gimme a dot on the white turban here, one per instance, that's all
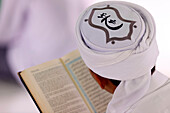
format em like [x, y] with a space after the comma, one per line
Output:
[117, 41]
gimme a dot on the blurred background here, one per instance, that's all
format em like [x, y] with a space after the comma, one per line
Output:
[36, 31]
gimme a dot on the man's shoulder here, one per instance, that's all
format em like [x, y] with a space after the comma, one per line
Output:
[157, 101]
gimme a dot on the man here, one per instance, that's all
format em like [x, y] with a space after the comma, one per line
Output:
[117, 42]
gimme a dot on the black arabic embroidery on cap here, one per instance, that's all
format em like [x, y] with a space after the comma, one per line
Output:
[103, 16]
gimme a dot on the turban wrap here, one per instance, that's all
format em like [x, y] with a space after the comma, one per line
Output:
[117, 41]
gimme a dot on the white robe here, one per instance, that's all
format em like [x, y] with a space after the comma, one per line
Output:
[155, 102]
[157, 99]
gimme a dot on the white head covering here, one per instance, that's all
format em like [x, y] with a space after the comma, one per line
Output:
[117, 41]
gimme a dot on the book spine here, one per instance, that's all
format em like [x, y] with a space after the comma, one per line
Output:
[19, 73]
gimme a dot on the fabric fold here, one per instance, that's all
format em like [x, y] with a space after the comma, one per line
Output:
[128, 92]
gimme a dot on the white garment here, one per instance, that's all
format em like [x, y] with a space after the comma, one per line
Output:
[156, 100]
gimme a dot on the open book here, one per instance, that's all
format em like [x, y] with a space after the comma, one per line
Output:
[65, 86]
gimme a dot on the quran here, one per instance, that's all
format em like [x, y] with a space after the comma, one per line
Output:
[64, 85]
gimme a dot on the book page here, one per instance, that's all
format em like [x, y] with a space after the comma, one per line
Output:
[97, 98]
[53, 89]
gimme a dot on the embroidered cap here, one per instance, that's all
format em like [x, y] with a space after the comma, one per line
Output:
[108, 27]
